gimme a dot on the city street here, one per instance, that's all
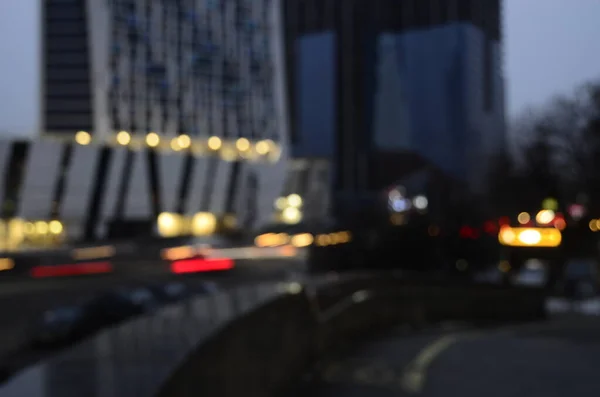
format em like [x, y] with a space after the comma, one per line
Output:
[24, 301]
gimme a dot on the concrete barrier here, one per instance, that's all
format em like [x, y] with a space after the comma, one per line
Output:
[255, 355]
[260, 353]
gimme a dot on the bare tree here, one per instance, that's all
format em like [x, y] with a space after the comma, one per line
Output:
[586, 157]
[520, 181]
[558, 149]
[575, 122]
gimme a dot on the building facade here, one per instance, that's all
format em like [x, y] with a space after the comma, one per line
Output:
[199, 67]
[395, 76]
[150, 107]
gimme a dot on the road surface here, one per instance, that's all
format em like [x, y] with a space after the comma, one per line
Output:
[22, 302]
[558, 358]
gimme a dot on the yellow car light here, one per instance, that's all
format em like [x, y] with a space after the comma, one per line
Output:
[529, 237]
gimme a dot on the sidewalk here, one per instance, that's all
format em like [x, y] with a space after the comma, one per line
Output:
[555, 358]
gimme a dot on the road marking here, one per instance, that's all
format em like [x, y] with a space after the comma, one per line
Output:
[415, 375]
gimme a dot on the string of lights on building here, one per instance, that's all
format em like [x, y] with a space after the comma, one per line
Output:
[228, 150]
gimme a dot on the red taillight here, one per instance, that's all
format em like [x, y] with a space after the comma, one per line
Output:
[490, 227]
[504, 221]
[468, 232]
[74, 269]
[560, 224]
[465, 232]
[198, 265]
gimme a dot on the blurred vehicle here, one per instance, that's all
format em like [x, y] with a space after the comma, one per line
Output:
[170, 292]
[65, 325]
[328, 244]
[580, 279]
[490, 276]
[56, 326]
[537, 236]
[533, 274]
[412, 230]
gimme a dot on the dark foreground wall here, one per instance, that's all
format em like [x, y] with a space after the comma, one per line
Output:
[261, 353]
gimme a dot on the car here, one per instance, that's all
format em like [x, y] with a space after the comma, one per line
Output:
[169, 292]
[56, 326]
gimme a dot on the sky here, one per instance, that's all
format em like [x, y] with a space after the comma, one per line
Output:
[551, 46]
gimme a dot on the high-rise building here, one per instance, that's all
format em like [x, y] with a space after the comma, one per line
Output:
[147, 107]
[200, 67]
[373, 79]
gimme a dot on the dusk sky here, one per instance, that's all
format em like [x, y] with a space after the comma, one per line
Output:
[551, 47]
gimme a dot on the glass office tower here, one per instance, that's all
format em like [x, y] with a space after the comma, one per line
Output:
[415, 78]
